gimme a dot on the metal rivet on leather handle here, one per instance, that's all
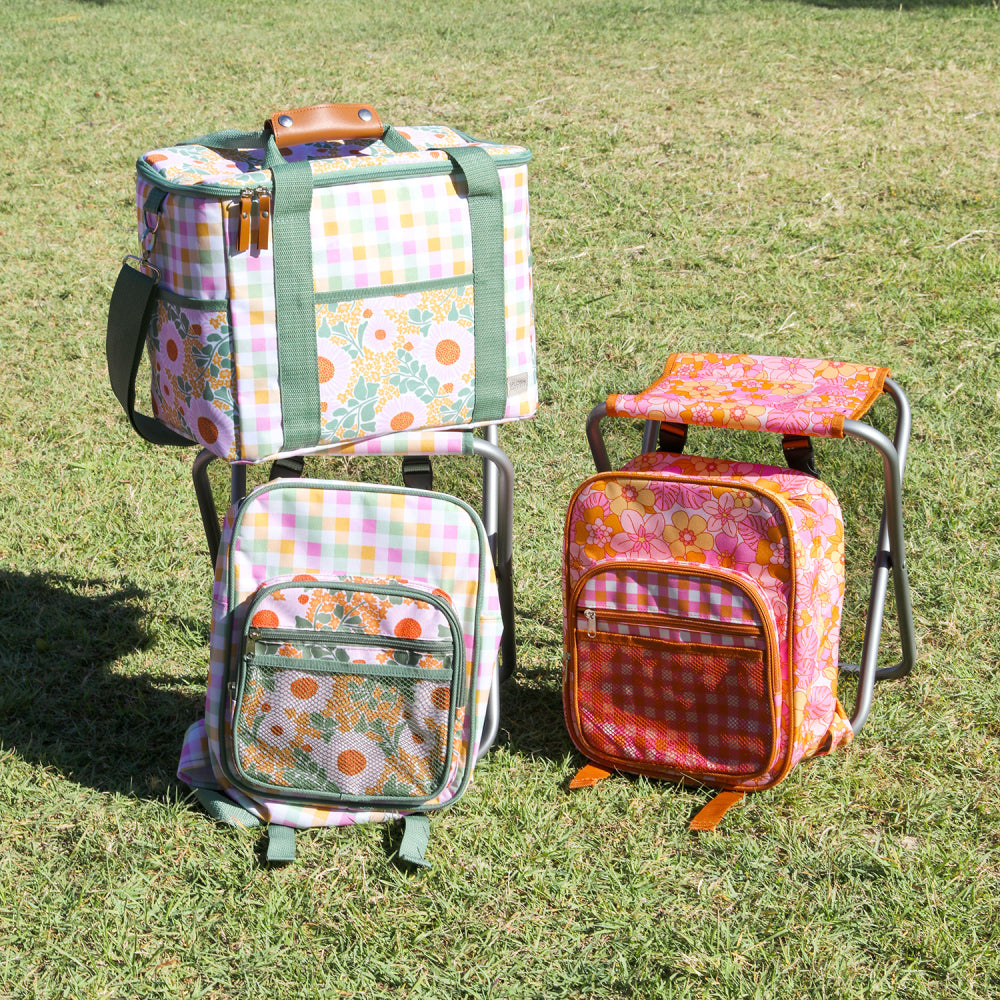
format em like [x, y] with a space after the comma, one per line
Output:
[284, 120]
[365, 115]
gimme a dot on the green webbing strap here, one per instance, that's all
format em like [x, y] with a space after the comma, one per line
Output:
[224, 809]
[280, 844]
[229, 139]
[416, 833]
[486, 217]
[129, 313]
[295, 309]
[396, 142]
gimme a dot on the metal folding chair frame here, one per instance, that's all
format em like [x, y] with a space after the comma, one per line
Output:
[890, 558]
[498, 520]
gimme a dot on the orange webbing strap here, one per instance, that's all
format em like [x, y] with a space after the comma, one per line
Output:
[710, 815]
[588, 776]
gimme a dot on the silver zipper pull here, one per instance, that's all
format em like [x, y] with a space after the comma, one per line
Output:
[591, 617]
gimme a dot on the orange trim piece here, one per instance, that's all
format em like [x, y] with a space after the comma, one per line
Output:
[588, 776]
[710, 815]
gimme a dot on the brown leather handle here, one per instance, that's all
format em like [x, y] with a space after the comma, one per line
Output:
[324, 122]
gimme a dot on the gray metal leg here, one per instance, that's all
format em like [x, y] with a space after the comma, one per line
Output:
[498, 510]
[890, 557]
[596, 439]
[650, 436]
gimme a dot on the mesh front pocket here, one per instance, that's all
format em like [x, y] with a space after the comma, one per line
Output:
[684, 707]
[348, 692]
[352, 729]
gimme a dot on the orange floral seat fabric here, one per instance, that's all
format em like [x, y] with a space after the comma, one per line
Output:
[754, 392]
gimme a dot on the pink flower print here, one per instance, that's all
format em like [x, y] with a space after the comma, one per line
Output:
[593, 532]
[640, 535]
[595, 498]
[598, 533]
[699, 466]
[708, 390]
[724, 515]
[821, 704]
[795, 368]
[687, 536]
[834, 370]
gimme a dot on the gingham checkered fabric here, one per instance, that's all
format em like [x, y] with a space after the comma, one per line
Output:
[392, 265]
[694, 709]
[629, 589]
[288, 529]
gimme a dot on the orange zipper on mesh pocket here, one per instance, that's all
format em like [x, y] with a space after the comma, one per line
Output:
[668, 694]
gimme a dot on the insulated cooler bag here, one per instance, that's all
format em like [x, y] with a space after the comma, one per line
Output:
[703, 617]
[355, 632]
[323, 280]
[703, 597]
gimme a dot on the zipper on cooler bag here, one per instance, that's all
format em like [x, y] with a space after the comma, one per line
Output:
[344, 715]
[253, 202]
[670, 694]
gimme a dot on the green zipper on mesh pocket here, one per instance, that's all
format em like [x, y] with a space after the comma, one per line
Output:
[342, 715]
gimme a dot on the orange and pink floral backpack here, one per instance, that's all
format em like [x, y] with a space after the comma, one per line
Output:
[703, 597]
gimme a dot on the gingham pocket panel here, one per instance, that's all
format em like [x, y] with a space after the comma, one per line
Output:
[188, 247]
[319, 529]
[708, 598]
[390, 233]
[693, 709]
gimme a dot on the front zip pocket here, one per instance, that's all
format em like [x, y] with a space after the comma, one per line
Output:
[671, 672]
[347, 691]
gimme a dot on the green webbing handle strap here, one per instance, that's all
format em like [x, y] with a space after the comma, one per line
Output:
[231, 139]
[486, 218]
[224, 809]
[129, 313]
[295, 309]
[280, 839]
[416, 833]
[280, 844]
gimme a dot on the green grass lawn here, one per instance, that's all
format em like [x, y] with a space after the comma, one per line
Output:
[779, 176]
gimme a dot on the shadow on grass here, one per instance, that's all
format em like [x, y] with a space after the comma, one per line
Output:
[531, 720]
[61, 703]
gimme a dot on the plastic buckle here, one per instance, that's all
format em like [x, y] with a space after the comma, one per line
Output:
[418, 473]
[799, 454]
[287, 468]
[672, 438]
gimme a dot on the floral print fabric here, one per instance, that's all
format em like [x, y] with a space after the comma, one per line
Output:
[779, 531]
[347, 691]
[752, 392]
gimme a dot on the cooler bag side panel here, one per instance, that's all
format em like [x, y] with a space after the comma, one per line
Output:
[190, 341]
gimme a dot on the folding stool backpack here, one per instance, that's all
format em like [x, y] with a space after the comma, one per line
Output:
[703, 597]
[354, 647]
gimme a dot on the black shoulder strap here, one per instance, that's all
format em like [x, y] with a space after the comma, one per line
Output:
[132, 304]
